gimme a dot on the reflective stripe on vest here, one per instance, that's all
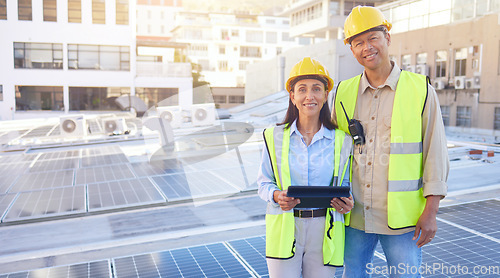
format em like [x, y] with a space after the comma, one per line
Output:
[280, 225]
[405, 200]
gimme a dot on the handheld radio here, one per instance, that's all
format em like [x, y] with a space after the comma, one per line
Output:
[355, 128]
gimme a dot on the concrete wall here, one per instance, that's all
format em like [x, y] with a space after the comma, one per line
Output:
[265, 78]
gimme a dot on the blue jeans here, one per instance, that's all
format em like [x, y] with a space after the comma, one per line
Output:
[402, 254]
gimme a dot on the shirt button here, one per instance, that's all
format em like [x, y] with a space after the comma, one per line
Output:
[373, 118]
[367, 186]
[371, 140]
[376, 96]
[367, 207]
[369, 163]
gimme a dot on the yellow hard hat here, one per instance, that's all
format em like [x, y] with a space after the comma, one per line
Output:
[363, 18]
[306, 67]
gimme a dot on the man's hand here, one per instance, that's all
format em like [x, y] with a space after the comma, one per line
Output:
[426, 225]
[286, 203]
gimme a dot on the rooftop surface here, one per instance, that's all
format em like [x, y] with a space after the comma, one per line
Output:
[126, 205]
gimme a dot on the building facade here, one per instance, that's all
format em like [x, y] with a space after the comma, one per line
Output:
[224, 44]
[60, 56]
[456, 44]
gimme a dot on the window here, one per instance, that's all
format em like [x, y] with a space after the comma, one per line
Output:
[39, 98]
[271, 37]
[236, 99]
[441, 58]
[496, 124]
[285, 36]
[163, 29]
[463, 116]
[50, 10]
[235, 33]
[421, 58]
[1, 92]
[220, 99]
[197, 50]
[254, 36]
[95, 98]
[250, 51]
[152, 96]
[445, 112]
[98, 57]
[278, 50]
[24, 10]
[122, 12]
[460, 61]
[98, 12]
[75, 11]
[462, 9]
[3, 9]
[37, 55]
[243, 65]
[223, 66]
[222, 49]
[405, 61]
[224, 34]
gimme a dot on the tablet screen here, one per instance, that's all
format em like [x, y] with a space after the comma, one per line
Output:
[317, 196]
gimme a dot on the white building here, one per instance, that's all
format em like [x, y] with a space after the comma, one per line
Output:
[73, 55]
[225, 44]
[156, 19]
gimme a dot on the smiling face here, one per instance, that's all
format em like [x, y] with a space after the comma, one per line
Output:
[371, 49]
[308, 96]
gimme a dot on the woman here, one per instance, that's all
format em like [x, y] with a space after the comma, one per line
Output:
[306, 149]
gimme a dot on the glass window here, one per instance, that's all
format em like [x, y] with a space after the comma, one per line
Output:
[50, 10]
[1, 92]
[441, 59]
[39, 98]
[254, 36]
[37, 55]
[495, 5]
[445, 112]
[250, 51]
[153, 96]
[271, 37]
[24, 10]
[224, 34]
[75, 11]
[243, 65]
[98, 12]
[462, 9]
[222, 49]
[3, 9]
[463, 116]
[98, 57]
[421, 58]
[220, 99]
[236, 99]
[334, 7]
[95, 98]
[497, 119]
[223, 66]
[122, 12]
[460, 61]
[405, 60]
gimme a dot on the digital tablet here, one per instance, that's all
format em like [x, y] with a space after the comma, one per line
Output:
[317, 196]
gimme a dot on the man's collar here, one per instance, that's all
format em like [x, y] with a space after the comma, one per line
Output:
[391, 81]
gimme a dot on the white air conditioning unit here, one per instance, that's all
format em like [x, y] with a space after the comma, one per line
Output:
[172, 114]
[203, 114]
[476, 82]
[422, 69]
[459, 82]
[410, 68]
[439, 84]
[469, 82]
[73, 125]
[114, 125]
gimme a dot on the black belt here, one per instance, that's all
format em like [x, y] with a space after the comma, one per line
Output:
[309, 213]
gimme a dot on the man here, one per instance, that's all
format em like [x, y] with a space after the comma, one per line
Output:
[400, 172]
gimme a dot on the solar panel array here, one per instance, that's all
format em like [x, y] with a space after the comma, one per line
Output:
[459, 242]
[68, 181]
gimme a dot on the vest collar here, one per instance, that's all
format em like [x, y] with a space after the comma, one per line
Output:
[391, 81]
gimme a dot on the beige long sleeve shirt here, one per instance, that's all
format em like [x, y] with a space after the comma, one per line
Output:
[371, 166]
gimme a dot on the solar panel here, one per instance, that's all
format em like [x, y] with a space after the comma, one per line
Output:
[157, 167]
[41, 131]
[14, 158]
[103, 173]
[90, 270]
[253, 252]
[53, 165]
[42, 180]
[5, 201]
[59, 155]
[101, 151]
[480, 216]
[214, 260]
[47, 203]
[125, 193]
[90, 161]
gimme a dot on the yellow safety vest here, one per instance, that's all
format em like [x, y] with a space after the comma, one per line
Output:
[405, 200]
[280, 225]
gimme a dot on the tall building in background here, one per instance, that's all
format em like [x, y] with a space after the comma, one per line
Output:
[456, 44]
[72, 55]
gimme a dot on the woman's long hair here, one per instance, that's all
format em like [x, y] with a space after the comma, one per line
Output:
[292, 114]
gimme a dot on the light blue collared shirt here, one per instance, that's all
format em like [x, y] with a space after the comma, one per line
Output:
[309, 165]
